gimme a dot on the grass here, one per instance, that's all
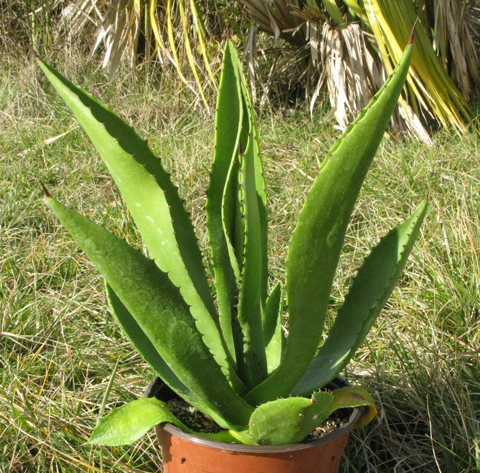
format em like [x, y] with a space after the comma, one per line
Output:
[59, 346]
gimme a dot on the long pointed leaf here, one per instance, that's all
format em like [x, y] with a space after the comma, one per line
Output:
[371, 288]
[162, 314]
[250, 304]
[146, 348]
[155, 205]
[317, 241]
[220, 206]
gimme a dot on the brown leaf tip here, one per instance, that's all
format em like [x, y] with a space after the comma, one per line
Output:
[45, 190]
[34, 52]
[412, 36]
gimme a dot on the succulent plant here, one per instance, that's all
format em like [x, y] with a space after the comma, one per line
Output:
[228, 356]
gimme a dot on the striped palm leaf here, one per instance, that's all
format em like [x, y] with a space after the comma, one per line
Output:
[354, 47]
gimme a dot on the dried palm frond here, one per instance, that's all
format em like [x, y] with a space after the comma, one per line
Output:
[346, 58]
[432, 91]
[352, 75]
[76, 15]
[167, 27]
[278, 18]
[345, 65]
[453, 39]
[119, 32]
[340, 60]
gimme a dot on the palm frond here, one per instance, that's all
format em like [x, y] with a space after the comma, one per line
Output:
[352, 75]
[453, 39]
[430, 86]
[123, 22]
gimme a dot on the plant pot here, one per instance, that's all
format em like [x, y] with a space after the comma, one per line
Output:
[186, 453]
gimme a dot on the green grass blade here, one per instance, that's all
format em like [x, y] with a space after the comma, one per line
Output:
[371, 288]
[317, 241]
[107, 391]
[162, 314]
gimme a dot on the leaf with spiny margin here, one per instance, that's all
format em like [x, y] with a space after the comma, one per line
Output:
[355, 397]
[273, 334]
[317, 240]
[369, 292]
[155, 205]
[128, 423]
[250, 304]
[221, 200]
[161, 312]
[146, 348]
[289, 420]
[260, 189]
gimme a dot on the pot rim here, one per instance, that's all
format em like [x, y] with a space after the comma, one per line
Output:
[242, 448]
[338, 382]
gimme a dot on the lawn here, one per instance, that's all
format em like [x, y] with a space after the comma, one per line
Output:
[62, 358]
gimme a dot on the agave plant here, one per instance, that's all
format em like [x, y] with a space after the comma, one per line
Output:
[228, 356]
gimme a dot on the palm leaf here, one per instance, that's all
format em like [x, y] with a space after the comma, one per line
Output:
[430, 86]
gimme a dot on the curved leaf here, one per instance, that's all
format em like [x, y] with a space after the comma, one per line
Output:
[355, 397]
[155, 205]
[318, 238]
[371, 288]
[128, 423]
[161, 312]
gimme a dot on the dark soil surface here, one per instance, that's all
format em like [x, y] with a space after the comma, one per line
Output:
[199, 422]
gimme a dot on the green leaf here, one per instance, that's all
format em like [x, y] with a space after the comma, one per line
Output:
[334, 12]
[221, 199]
[250, 302]
[236, 221]
[273, 334]
[228, 436]
[355, 9]
[155, 205]
[128, 423]
[289, 420]
[371, 288]
[355, 397]
[163, 315]
[260, 187]
[317, 241]
[145, 347]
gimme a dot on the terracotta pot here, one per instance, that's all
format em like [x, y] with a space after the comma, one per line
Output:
[185, 453]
